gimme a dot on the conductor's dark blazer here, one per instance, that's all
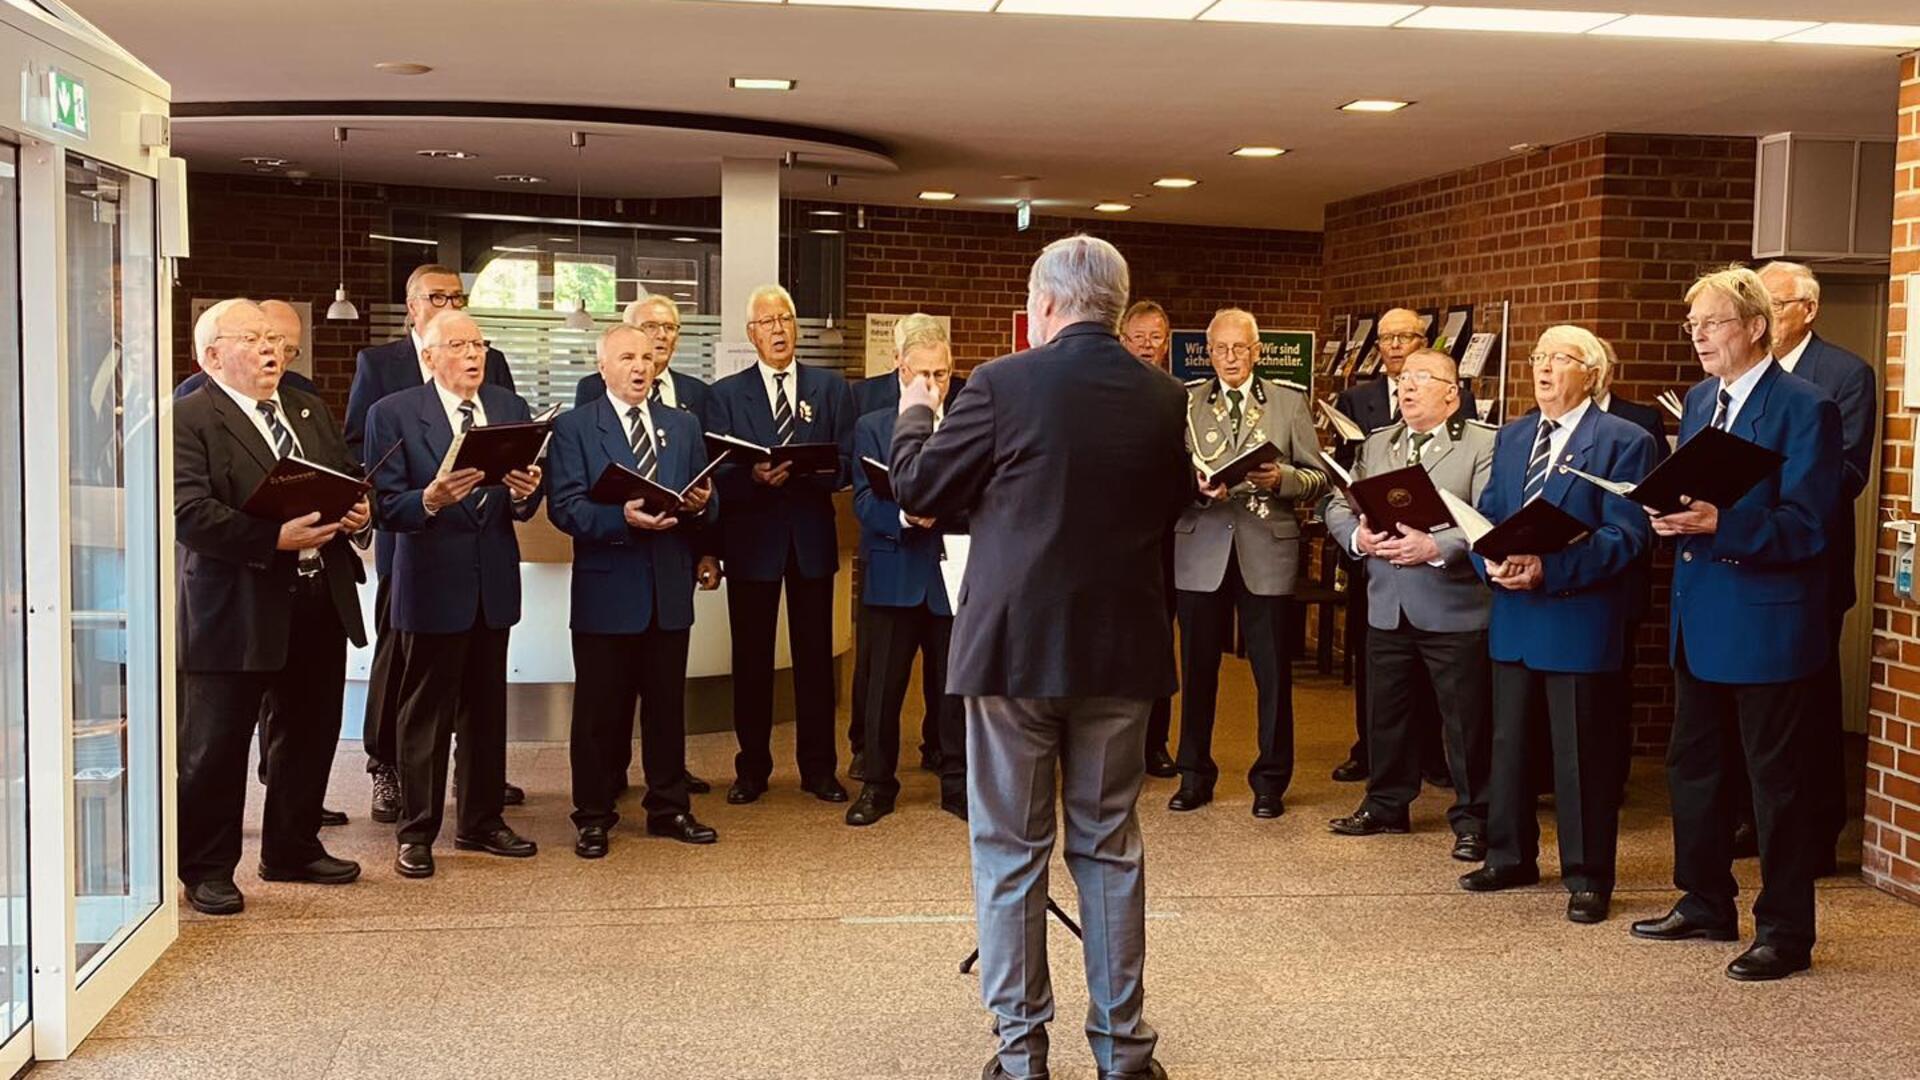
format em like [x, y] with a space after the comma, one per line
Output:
[1070, 461]
[1366, 404]
[883, 392]
[289, 380]
[761, 524]
[236, 587]
[691, 394]
[387, 369]
[1849, 381]
[465, 560]
[625, 580]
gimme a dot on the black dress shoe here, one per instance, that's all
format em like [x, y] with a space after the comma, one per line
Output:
[332, 818]
[1153, 1071]
[1189, 799]
[1496, 878]
[993, 1071]
[1470, 847]
[1765, 963]
[681, 827]
[1587, 906]
[1439, 779]
[414, 861]
[1268, 806]
[216, 898]
[1349, 771]
[1160, 764]
[697, 786]
[955, 806]
[929, 759]
[592, 842]
[828, 790]
[857, 769]
[512, 796]
[1674, 926]
[1746, 841]
[1362, 822]
[501, 841]
[868, 808]
[325, 870]
[742, 792]
[386, 795]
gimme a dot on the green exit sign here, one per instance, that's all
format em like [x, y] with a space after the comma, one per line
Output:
[68, 97]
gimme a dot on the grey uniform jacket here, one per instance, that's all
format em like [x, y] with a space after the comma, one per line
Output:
[1257, 528]
[1448, 598]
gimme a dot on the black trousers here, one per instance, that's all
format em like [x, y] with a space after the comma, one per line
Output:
[1774, 729]
[1160, 720]
[452, 683]
[753, 613]
[381, 719]
[899, 633]
[1433, 751]
[1581, 730]
[1452, 668]
[611, 673]
[218, 714]
[930, 692]
[1619, 698]
[1204, 618]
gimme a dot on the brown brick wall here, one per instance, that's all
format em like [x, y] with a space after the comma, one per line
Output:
[1605, 232]
[1891, 856]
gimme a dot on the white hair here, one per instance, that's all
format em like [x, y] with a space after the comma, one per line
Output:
[432, 334]
[1234, 314]
[1085, 276]
[917, 331]
[207, 326]
[631, 316]
[604, 345]
[1808, 286]
[772, 292]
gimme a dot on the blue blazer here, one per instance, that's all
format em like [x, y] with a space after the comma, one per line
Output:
[1750, 601]
[291, 380]
[1849, 381]
[462, 563]
[1575, 620]
[761, 524]
[693, 395]
[387, 369]
[625, 580]
[900, 565]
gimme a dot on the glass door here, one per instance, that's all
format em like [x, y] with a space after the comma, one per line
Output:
[15, 933]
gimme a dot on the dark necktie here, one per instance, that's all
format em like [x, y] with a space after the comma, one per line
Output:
[1720, 413]
[282, 438]
[1233, 410]
[782, 409]
[1537, 464]
[653, 395]
[466, 424]
[642, 440]
[1420, 441]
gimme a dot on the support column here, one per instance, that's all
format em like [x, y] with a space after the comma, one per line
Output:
[749, 242]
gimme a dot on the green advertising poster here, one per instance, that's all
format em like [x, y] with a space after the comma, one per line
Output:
[1285, 355]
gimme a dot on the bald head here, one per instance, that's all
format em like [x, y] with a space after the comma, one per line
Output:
[1400, 333]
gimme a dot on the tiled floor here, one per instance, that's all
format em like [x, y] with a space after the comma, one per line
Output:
[798, 947]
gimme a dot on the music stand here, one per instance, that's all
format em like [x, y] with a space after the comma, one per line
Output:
[966, 966]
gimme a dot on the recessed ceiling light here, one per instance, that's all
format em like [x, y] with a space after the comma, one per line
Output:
[916, 5]
[403, 239]
[1259, 151]
[938, 196]
[824, 232]
[686, 239]
[1891, 37]
[1176, 182]
[827, 213]
[1107, 9]
[520, 178]
[743, 83]
[450, 155]
[401, 67]
[1509, 20]
[1699, 28]
[267, 162]
[1112, 207]
[1374, 105]
[1306, 13]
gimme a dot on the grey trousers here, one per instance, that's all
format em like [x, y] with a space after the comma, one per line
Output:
[1099, 745]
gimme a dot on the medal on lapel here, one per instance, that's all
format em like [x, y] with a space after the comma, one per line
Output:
[660, 437]
[806, 411]
[304, 413]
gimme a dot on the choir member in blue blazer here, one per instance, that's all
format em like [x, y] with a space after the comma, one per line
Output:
[777, 529]
[1748, 636]
[904, 609]
[1849, 381]
[380, 370]
[657, 317]
[1555, 635]
[633, 581]
[456, 593]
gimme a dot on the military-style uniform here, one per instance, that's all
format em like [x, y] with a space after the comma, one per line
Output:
[1242, 553]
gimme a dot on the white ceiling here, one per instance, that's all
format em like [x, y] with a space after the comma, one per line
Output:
[1096, 108]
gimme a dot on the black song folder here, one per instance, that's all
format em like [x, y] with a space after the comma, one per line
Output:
[1404, 496]
[619, 485]
[1713, 466]
[497, 449]
[1236, 470]
[296, 488]
[879, 478]
[1538, 528]
[809, 459]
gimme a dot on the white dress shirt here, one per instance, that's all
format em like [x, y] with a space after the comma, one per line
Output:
[1792, 359]
[792, 380]
[621, 408]
[1740, 389]
[1393, 397]
[420, 356]
[451, 402]
[1563, 431]
[1605, 401]
[251, 407]
[669, 396]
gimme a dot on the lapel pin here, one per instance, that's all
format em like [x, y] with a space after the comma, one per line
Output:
[304, 413]
[806, 411]
[661, 436]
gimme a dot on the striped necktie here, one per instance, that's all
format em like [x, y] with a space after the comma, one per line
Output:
[1726, 406]
[782, 409]
[1537, 464]
[467, 410]
[642, 440]
[282, 438]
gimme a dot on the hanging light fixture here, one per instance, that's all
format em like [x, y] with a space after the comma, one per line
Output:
[578, 318]
[342, 309]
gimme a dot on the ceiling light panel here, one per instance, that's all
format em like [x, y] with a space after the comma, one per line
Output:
[1112, 207]
[1259, 151]
[1307, 13]
[1107, 9]
[739, 82]
[1175, 182]
[1508, 20]
[1697, 28]
[1870, 34]
[1374, 105]
[938, 196]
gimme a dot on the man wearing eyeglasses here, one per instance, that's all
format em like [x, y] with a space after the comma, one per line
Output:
[1427, 613]
[777, 528]
[399, 365]
[658, 320]
[1147, 333]
[1238, 550]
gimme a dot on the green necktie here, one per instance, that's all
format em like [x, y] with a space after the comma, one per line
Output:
[1420, 441]
[1233, 410]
